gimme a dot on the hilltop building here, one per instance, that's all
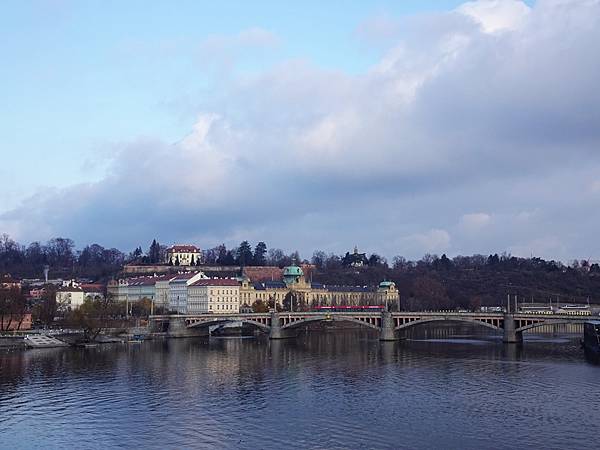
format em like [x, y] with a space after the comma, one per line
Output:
[355, 259]
[184, 255]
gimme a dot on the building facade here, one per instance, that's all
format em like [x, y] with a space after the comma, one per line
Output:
[214, 295]
[69, 298]
[161, 296]
[184, 255]
[309, 294]
[132, 289]
[178, 290]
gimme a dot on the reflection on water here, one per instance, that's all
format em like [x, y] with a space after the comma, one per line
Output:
[449, 387]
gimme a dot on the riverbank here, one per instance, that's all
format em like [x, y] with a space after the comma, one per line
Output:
[12, 342]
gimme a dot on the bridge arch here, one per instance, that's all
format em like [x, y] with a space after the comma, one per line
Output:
[299, 323]
[220, 321]
[547, 322]
[418, 322]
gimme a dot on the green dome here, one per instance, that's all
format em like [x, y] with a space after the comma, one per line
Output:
[386, 284]
[292, 271]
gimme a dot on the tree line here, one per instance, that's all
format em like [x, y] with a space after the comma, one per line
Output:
[430, 282]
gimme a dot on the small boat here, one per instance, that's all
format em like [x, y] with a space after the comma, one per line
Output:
[137, 338]
[87, 344]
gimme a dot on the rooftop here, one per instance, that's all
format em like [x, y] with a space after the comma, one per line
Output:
[183, 248]
[216, 282]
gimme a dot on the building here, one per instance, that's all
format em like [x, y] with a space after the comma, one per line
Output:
[141, 287]
[8, 282]
[355, 259]
[214, 295]
[132, 289]
[308, 294]
[161, 287]
[178, 290]
[92, 291]
[37, 293]
[69, 298]
[184, 255]
[15, 322]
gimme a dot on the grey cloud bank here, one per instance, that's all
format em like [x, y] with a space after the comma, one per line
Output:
[476, 132]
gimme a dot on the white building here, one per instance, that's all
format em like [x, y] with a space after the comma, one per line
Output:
[183, 255]
[132, 289]
[215, 295]
[178, 290]
[161, 287]
[69, 298]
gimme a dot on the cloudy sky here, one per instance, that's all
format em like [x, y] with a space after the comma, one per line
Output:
[402, 127]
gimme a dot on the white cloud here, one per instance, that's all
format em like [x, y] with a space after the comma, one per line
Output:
[432, 241]
[475, 221]
[451, 119]
[496, 15]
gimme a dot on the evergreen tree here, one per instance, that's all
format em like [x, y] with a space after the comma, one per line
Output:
[192, 261]
[260, 252]
[229, 260]
[244, 254]
[154, 252]
[222, 251]
[177, 260]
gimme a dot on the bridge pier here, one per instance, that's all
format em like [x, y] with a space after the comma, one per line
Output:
[154, 326]
[511, 335]
[387, 332]
[276, 331]
[179, 329]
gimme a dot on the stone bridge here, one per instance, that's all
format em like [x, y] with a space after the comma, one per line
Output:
[281, 325]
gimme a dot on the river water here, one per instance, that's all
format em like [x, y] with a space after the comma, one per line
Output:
[447, 387]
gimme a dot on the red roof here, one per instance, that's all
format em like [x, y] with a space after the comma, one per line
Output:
[263, 273]
[216, 282]
[92, 287]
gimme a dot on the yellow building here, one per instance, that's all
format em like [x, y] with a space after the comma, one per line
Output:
[308, 294]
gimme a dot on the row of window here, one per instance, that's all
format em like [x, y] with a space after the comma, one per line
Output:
[223, 291]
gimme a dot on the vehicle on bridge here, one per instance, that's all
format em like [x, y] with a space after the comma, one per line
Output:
[538, 309]
[575, 310]
[349, 308]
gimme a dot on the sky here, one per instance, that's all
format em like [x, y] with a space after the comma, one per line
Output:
[402, 128]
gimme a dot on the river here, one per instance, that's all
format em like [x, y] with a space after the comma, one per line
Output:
[446, 387]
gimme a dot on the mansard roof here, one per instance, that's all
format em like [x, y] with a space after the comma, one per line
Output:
[216, 282]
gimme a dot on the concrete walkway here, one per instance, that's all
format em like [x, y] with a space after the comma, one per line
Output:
[43, 341]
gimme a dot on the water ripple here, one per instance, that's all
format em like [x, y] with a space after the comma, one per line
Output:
[321, 391]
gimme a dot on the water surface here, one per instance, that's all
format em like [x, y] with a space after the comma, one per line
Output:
[448, 387]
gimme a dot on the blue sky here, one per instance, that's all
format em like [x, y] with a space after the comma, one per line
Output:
[189, 121]
[80, 75]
